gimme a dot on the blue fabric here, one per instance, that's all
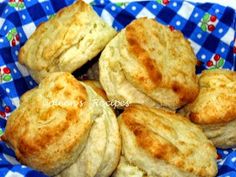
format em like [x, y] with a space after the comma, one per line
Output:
[209, 27]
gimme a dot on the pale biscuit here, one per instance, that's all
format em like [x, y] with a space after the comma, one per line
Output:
[96, 86]
[67, 41]
[60, 131]
[223, 135]
[125, 169]
[148, 63]
[158, 143]
[215, 107]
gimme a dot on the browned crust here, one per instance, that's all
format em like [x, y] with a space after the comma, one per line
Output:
[219, 84]
[136, 49]
[32, 134]
[142, 37]
[185, 94]
[154, 145]
[135, 119]
[157, 148]
[230, 115]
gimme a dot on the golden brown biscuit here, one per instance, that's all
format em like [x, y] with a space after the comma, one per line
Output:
[161, 143]
[67, 41]
[60, 131]
[215, 107]
[148, 63]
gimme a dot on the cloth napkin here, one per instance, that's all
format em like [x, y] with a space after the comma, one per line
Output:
[209, 27]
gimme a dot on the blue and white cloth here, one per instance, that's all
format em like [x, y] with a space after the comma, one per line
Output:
[210, 28]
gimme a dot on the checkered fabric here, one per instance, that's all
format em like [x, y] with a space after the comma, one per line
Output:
[209, 27]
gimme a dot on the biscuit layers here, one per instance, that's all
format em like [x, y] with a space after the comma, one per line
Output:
[148, 63]
[215, 107]
[67, 41]
[60, 131]
[160, 143]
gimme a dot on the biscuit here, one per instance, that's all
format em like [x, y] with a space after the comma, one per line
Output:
[66, 42]
[223, 135]
[60, 131]
[215, 107]
[147, 63]
[125, 169]
[157, 142]
[96, 86]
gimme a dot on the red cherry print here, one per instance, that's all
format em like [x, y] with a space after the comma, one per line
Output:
[209, 63]
[211, 27]
[17, 37]
[216, 57]
[165, 2]
[20, 0]
[218, 156]
[7, 109]
[213, 18]
[234, 50]
[13, 42]
[199, 63]
[6, 70]
[172, 28]
[11, 0]
[2, 114]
